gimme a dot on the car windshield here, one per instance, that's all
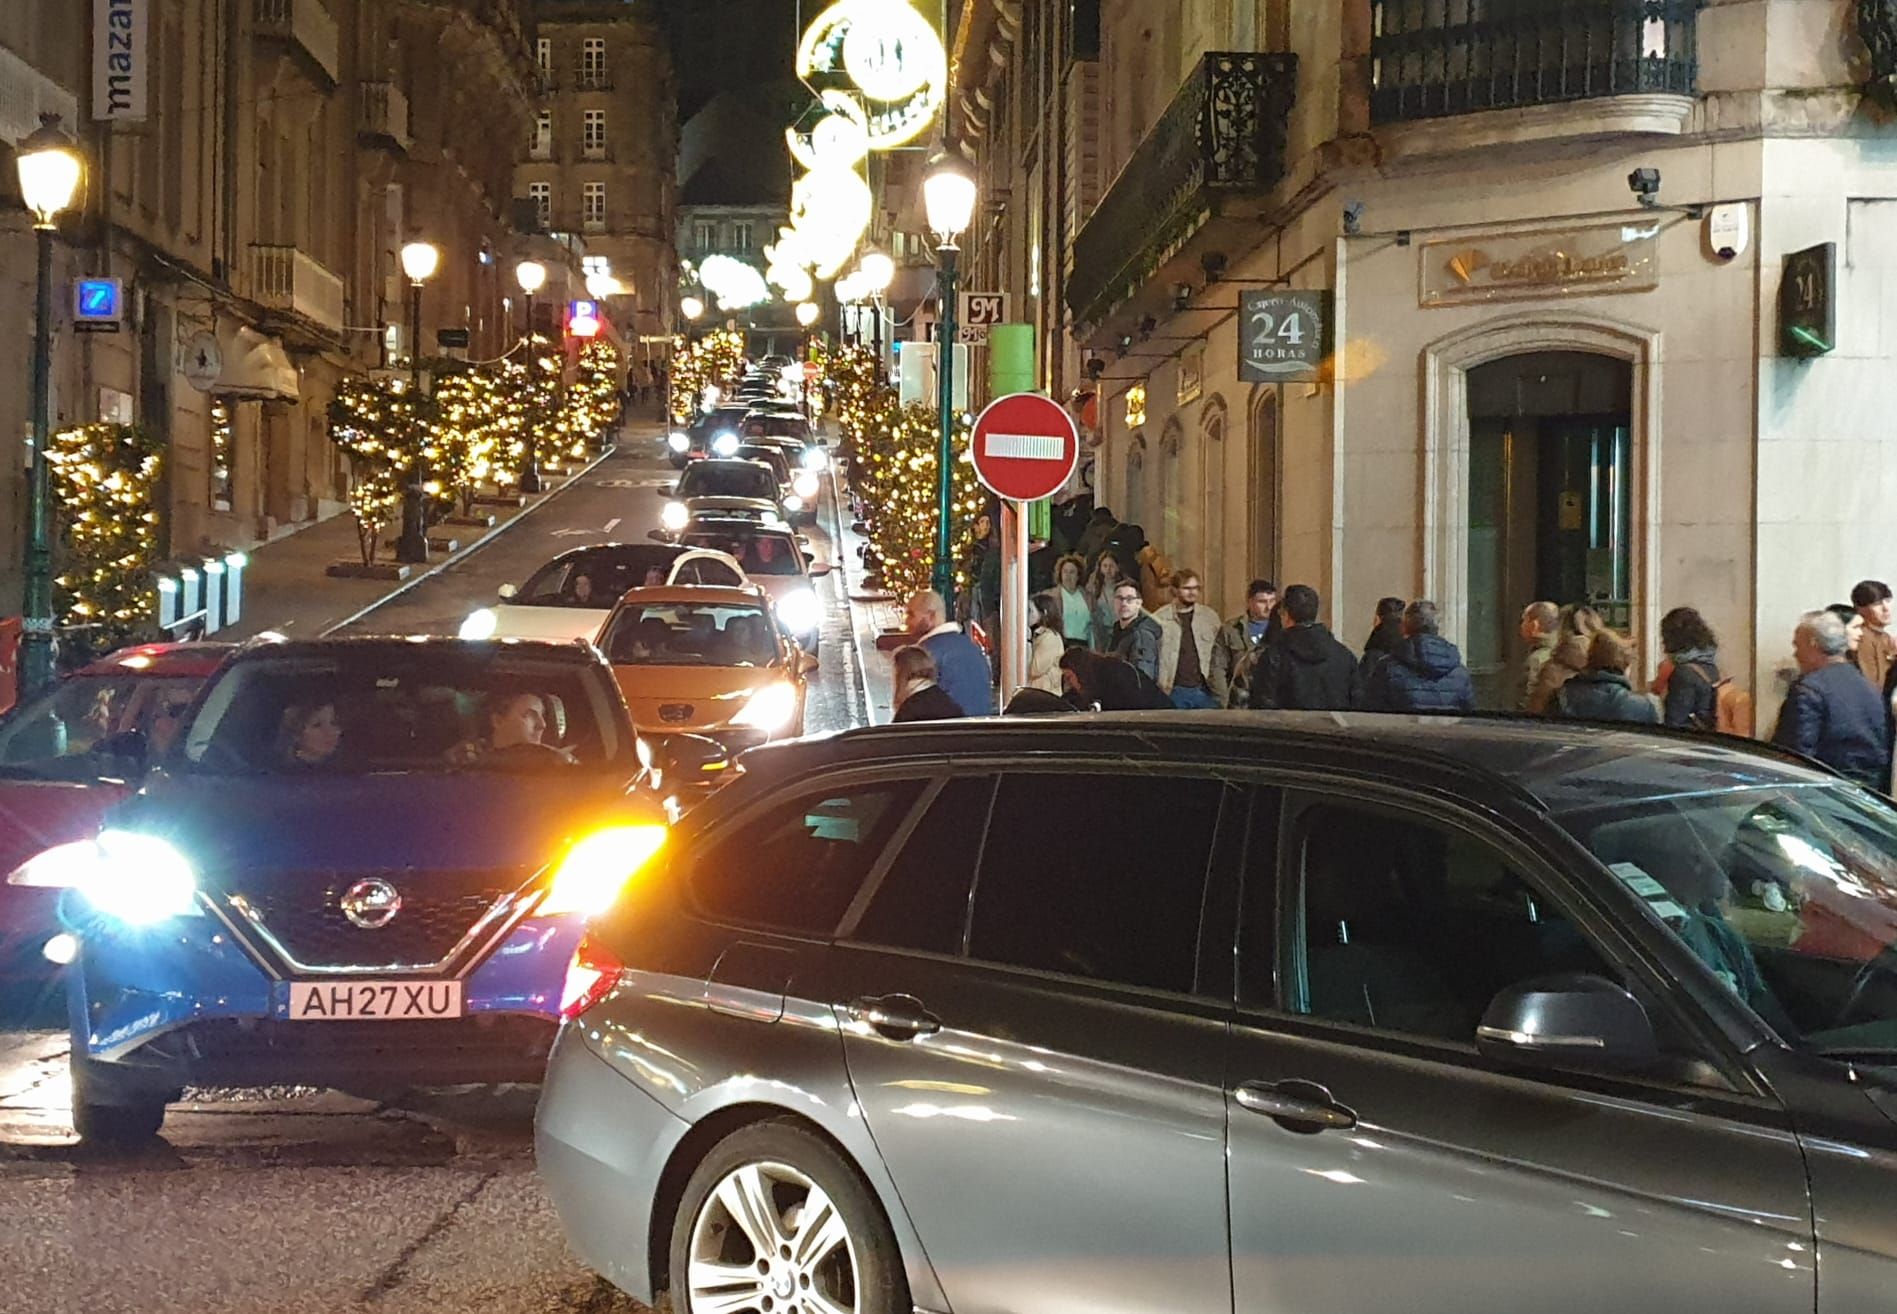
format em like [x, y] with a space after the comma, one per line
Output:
[770, 456]
[691, 634]
[1788, 893]
[760, 553]
[84, 723]
[596, 579]
[775, 426]
[427, 709]
[728, 479]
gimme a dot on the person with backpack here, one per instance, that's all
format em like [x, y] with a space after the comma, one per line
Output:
[1695, 694]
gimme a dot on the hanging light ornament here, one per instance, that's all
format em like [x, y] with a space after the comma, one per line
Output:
[891, 53]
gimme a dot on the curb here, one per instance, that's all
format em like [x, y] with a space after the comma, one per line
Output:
[474, 547]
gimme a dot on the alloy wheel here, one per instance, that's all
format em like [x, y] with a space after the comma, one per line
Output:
[769, 1240]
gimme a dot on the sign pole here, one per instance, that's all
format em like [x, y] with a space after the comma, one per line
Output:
[1011, 370]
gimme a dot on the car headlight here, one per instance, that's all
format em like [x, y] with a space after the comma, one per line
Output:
[815, 458]
[480, 624]
[799, 611]
[806, 485]
[596, 869]
[674, 516]
[58, 868]
[770, 709]
[678, 442]
[139, 879]
[725, 444]
[793, 504]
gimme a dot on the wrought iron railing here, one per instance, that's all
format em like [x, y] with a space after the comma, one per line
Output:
[1433, 58]
[1223, 133]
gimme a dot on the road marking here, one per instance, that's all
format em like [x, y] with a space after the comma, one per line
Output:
[612, 524]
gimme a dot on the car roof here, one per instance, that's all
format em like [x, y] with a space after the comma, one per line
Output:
[370, 646]
[633, 551]
[717, 595]
[162, 660]
[726, 462]
[1558, 766]
[717, 521]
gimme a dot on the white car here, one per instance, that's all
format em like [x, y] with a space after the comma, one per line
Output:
[571, 596]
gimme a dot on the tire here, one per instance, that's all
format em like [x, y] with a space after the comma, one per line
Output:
[853, 1260]
[109, 1110]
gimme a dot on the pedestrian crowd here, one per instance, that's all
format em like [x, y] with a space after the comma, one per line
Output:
[1115, 626]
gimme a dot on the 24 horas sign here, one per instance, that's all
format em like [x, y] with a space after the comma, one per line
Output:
[1282, 336]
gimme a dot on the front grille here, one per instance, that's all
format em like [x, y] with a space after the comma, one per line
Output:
[302, 915]
[675, 712]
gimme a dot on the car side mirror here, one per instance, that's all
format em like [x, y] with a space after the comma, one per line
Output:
[1572, 1022]
[507, 592]
[682, 759]
[818, 569]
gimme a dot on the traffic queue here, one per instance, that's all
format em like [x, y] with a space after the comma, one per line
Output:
[366, 863]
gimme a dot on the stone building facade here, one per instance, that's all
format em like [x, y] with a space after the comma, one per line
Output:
[1546, 373]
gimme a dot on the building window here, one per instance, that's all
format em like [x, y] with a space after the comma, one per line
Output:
[741, 235]
[541, 194]
[543, 60]
[543, 135]
[593, 134]
[223, 464]
[593, 63]
[705, 235]
[593, 206]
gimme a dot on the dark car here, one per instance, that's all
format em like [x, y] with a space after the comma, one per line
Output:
[715, 433]
[365, 865]
[1294, 1012]
[66, 757]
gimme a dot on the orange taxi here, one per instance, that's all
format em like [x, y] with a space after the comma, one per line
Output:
[708, 661]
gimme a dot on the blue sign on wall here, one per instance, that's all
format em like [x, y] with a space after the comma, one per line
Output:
[98, 303]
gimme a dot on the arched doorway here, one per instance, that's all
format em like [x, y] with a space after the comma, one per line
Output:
[1133, 486]
[1209, 553]
[1167, 530]
[1550, 501]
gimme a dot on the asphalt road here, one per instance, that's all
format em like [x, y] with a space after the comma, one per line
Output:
[284, 1201]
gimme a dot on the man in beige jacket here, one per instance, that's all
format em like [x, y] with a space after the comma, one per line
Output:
[1188, 637]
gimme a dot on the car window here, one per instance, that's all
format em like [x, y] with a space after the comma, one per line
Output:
[798, 867]
[737, 479]
[1413, 927]
[597, 579]
[760, 553]
[93, 714]
[690, 634]
[1113, 894]
[922, 899]
[1788, 894]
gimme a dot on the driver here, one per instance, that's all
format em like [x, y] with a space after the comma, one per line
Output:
[583, 590]
[516, 727]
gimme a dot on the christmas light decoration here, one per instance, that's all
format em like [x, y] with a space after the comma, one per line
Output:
[105, 480]
[381, 426]
[735, 284]
[717, 359]
[591, 406]
[891, 53]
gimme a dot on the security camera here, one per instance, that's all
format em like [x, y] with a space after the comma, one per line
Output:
[1213, 263]
[1147, 326]
[1353, 218]
[1645, 185]
[1181, 295]
[1095, 367]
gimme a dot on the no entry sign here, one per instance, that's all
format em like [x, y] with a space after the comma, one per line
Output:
[1025, 447]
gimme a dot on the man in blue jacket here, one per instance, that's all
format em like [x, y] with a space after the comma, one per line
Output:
[1831, 712]
[1425, 672]
[961, 670]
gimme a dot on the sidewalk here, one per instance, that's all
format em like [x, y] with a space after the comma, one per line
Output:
[873, 611]
[287, 591]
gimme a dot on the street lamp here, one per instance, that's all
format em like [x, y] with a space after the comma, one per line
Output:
[807, 312]
[692, 308]
[50, 173]
[948, 194]
[419, 262]
[532, 276]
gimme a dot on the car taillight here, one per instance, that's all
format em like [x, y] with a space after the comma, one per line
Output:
[590, 977]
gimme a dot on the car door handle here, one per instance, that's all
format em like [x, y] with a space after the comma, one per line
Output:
[1299, 1106]
[899, 1017]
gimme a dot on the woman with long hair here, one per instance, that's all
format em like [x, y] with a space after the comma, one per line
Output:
[1106, 575]
[1577, 627]
[1076, 608]
[1692, 682]
[1046, 642]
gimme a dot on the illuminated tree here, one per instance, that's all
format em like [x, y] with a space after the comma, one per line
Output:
[470, 431]
[717, 358]
[381, 427]
[590, 407]
[105, 480]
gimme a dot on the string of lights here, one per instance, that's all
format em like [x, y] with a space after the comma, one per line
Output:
[105, 481]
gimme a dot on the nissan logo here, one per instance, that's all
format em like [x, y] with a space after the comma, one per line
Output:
[371, 904]
[673, 713]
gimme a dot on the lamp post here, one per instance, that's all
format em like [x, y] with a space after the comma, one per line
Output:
[532, 276]
[948, 194]
[419, 262]
[50, 173]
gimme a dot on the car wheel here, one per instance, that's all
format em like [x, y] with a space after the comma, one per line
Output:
[109, 1110]
[776, 1220]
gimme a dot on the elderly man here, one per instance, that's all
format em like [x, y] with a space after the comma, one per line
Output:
[1425, 673]
[962, 671]
[1540, 630]
[1831, 713]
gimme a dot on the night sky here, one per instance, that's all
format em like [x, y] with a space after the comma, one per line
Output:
[741, 45]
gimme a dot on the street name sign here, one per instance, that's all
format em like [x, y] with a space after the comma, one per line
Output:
[1024, 447]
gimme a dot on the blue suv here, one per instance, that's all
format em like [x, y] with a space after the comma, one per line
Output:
[366, 864]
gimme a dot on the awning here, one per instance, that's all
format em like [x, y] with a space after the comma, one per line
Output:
[255, 366]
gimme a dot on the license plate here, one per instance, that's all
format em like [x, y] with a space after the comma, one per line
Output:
[373, 1001]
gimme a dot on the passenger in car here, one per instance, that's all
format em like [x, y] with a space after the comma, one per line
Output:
[308, 735]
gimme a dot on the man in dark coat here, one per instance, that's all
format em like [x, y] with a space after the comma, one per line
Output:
[1831, 712]
[1306, 669]
[1425, 673]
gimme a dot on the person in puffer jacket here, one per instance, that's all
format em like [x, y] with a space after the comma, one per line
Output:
[1425, 673]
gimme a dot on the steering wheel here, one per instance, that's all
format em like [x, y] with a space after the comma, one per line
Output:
[1885, 960]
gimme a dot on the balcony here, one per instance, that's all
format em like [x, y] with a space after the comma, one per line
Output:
[1220, 144]
[1432, 59]
[284, 280]
[384, 114]
[304, 25]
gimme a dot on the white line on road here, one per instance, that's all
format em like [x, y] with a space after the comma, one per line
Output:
[613, 524]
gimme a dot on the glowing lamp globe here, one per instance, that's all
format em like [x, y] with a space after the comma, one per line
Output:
[50, 170]
[691, 308]
[420, 260]
[948, 194]
[807, 313]
[531, 275]
[877, 271]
